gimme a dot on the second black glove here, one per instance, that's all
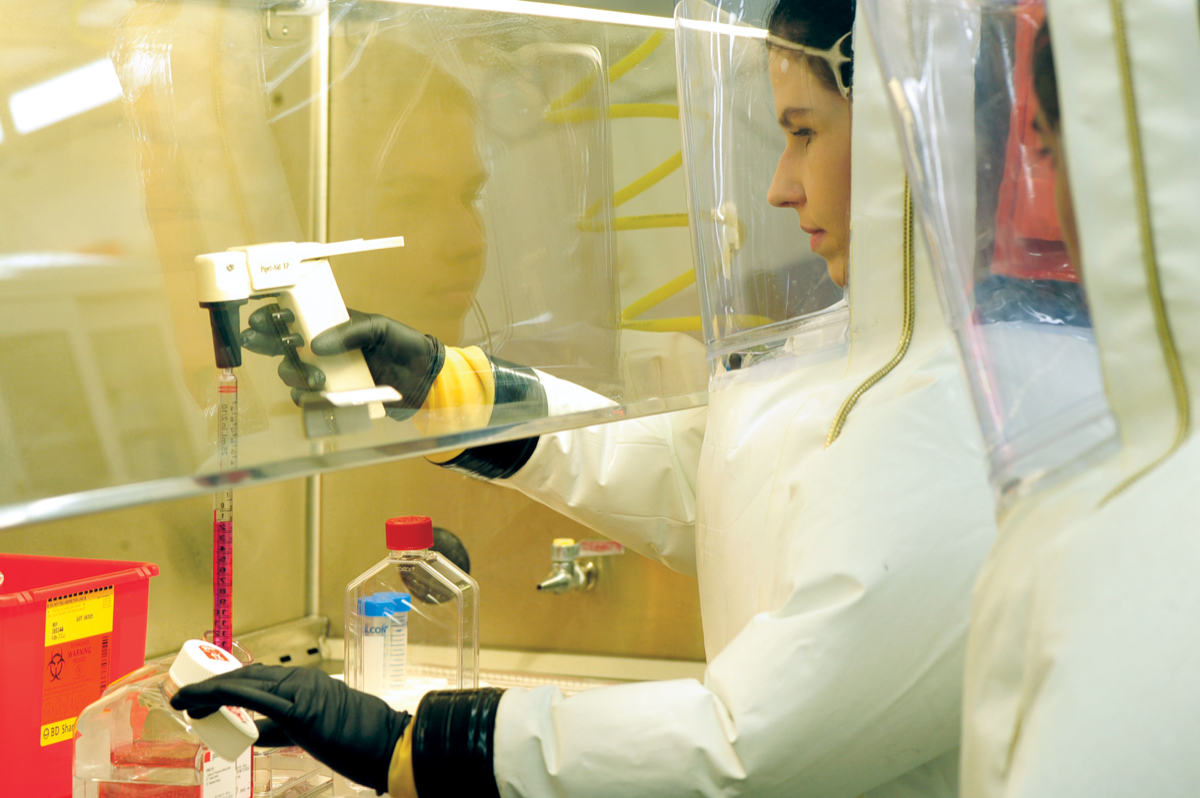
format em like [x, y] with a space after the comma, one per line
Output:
[354, 733]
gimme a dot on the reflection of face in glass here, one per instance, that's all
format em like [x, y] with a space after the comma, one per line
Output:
[1048, 124]
[410, 167]
[1063, 205]
[813, 176]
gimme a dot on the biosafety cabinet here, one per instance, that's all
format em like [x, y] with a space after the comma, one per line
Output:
[529, 155]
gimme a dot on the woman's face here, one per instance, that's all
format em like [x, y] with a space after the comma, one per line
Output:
[813, 176]
[426, 188]
[1063, 204]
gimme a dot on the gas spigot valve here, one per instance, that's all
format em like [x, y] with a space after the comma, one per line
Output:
[567, 573]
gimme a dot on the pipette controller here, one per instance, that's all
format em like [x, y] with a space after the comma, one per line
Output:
[309, 303]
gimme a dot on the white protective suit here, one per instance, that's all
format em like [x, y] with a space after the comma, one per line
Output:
[1083, 674]
[834, 582]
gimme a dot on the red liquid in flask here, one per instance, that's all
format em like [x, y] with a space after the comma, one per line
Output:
[155, 760]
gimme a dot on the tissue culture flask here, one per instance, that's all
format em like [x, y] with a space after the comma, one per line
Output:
[132, 744]
[442, 649]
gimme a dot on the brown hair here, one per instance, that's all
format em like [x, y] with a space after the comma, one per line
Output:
[1045, 84]
[819, 24]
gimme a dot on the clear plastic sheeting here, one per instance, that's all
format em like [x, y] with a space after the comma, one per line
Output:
[961, 86]
[760, 283]
[530, 158]
[483, 138]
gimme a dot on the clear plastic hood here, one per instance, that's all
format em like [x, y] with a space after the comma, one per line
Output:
[961, 83]
[527, 154]
[760, 282]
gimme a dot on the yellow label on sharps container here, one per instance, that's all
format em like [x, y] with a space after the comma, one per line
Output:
[57, 732]
[79, 615]
[77, 659]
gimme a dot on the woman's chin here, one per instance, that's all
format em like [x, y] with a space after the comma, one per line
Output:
[837, 270]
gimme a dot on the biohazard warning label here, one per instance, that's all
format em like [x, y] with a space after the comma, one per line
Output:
[75, 667]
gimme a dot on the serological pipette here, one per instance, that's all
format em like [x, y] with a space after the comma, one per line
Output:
[227, 455]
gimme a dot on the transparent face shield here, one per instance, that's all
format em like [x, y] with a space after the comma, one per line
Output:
[961, 82]
[761, 283]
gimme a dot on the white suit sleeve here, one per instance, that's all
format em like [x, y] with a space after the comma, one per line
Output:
[772, 717]
[633, 481]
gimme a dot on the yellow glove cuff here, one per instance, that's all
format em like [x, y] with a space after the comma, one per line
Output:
[461, 397]
[400, 773]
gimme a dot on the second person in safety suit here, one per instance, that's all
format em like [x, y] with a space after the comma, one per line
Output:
[1081, 675]
[832, 500]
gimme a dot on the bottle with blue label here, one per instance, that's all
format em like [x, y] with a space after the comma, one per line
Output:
[385, 642]
[412, 621]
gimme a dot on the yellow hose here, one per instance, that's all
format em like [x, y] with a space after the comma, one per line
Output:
[617, 111]
[690, 323]
[573, 96]
[647, 180]
[650, 222]
[615, 72]
[659, 295]
[678, 324]
[644, 182]
[640, 54]
[748, 321]
[559, 112]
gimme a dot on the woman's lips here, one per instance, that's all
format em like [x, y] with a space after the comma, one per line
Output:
[458, 298]
[816, 236]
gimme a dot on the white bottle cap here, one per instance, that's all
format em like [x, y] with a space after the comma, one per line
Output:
[230, 730]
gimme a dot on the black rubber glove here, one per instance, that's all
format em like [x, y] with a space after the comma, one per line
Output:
[354, 733]
[396, 354]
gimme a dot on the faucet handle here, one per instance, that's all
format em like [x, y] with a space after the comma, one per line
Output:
[599, 548]
[567, 549]
[564, 550]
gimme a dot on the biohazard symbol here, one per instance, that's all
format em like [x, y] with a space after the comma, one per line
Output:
[56, 666]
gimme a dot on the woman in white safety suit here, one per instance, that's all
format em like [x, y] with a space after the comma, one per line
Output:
[1083, 672]
[832, 499]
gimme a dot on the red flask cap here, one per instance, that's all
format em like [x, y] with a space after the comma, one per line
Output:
[409, 533]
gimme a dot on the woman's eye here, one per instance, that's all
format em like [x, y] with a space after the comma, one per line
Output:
[407, 198]
[803, 135]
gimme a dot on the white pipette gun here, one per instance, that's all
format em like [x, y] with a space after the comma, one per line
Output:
[309, 303]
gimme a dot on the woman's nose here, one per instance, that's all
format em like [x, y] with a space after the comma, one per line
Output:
[465, 237]
[787, 190]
